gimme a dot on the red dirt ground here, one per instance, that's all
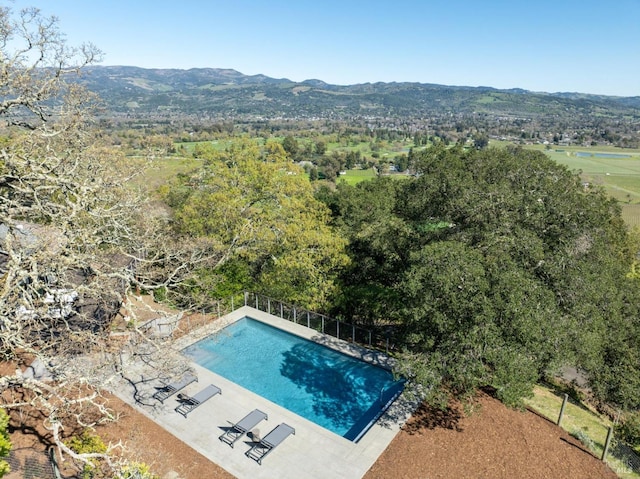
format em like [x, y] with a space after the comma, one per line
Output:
[493, 442]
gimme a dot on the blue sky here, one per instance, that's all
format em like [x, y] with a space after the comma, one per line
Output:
[563, 45]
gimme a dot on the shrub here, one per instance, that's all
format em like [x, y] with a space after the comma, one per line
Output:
[5, 444]
[582, 436]
[628, 430]
[87, 443]
[138, 470]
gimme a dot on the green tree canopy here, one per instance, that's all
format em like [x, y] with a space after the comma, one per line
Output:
[262, 213]
[291, 146]
[496, 266]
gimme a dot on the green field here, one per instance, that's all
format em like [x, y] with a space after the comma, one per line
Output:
[620, 177]
[164, 169]
[385, 150]
[186, 147]
[353, 177]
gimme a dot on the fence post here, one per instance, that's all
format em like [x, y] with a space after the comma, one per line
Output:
[564, 403]
[281, 310]
[295, 317]
[54, 462]
[246, 298]
[607, 443]
[218, 308]
[232, 308]
[338, 329]
[269, 305]
[308, 320]
[353, 333]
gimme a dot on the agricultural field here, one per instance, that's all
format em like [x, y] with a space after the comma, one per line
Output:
[617, 170]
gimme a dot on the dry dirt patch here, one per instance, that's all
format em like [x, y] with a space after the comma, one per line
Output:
[492, 442]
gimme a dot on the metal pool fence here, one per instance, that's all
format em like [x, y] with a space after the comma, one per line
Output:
[381, 339]
[369, 337]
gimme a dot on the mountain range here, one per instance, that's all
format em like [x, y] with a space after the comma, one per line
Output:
[227, 93]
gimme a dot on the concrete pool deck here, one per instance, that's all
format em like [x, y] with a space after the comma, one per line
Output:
[313, 452]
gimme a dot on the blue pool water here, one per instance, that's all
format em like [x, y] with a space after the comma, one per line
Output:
[336, 391]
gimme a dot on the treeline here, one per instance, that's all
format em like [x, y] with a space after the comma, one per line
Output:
[453, 128]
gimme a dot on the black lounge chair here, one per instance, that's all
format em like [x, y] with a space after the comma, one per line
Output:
[169, 390]
[189, 403]
[243, 426]
[272, 440]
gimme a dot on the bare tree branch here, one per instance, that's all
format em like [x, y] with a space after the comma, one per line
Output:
[76, 235]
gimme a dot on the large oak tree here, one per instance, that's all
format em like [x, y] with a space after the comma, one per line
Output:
[76, 235]
[496, 267]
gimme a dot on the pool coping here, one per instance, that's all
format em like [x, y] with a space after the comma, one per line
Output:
[377, 358]
[313, 449]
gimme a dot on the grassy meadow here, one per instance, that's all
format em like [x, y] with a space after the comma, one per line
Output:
[353, 177]
[580, 421]
[165, 169]
[383, 150]
[187, 147]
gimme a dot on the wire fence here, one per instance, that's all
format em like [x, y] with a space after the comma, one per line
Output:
[626, 459]
[599, 439]
[175, 326]
[27, 463]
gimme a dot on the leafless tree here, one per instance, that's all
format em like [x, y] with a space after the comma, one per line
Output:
[76, 234]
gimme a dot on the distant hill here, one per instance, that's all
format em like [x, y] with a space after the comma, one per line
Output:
[216, 92]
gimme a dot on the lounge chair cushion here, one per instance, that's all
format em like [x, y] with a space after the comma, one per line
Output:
[272, 440]
[170, 389]
[189, 403]
[243, 426]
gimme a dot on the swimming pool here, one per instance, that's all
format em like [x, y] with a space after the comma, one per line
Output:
[338, 392]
